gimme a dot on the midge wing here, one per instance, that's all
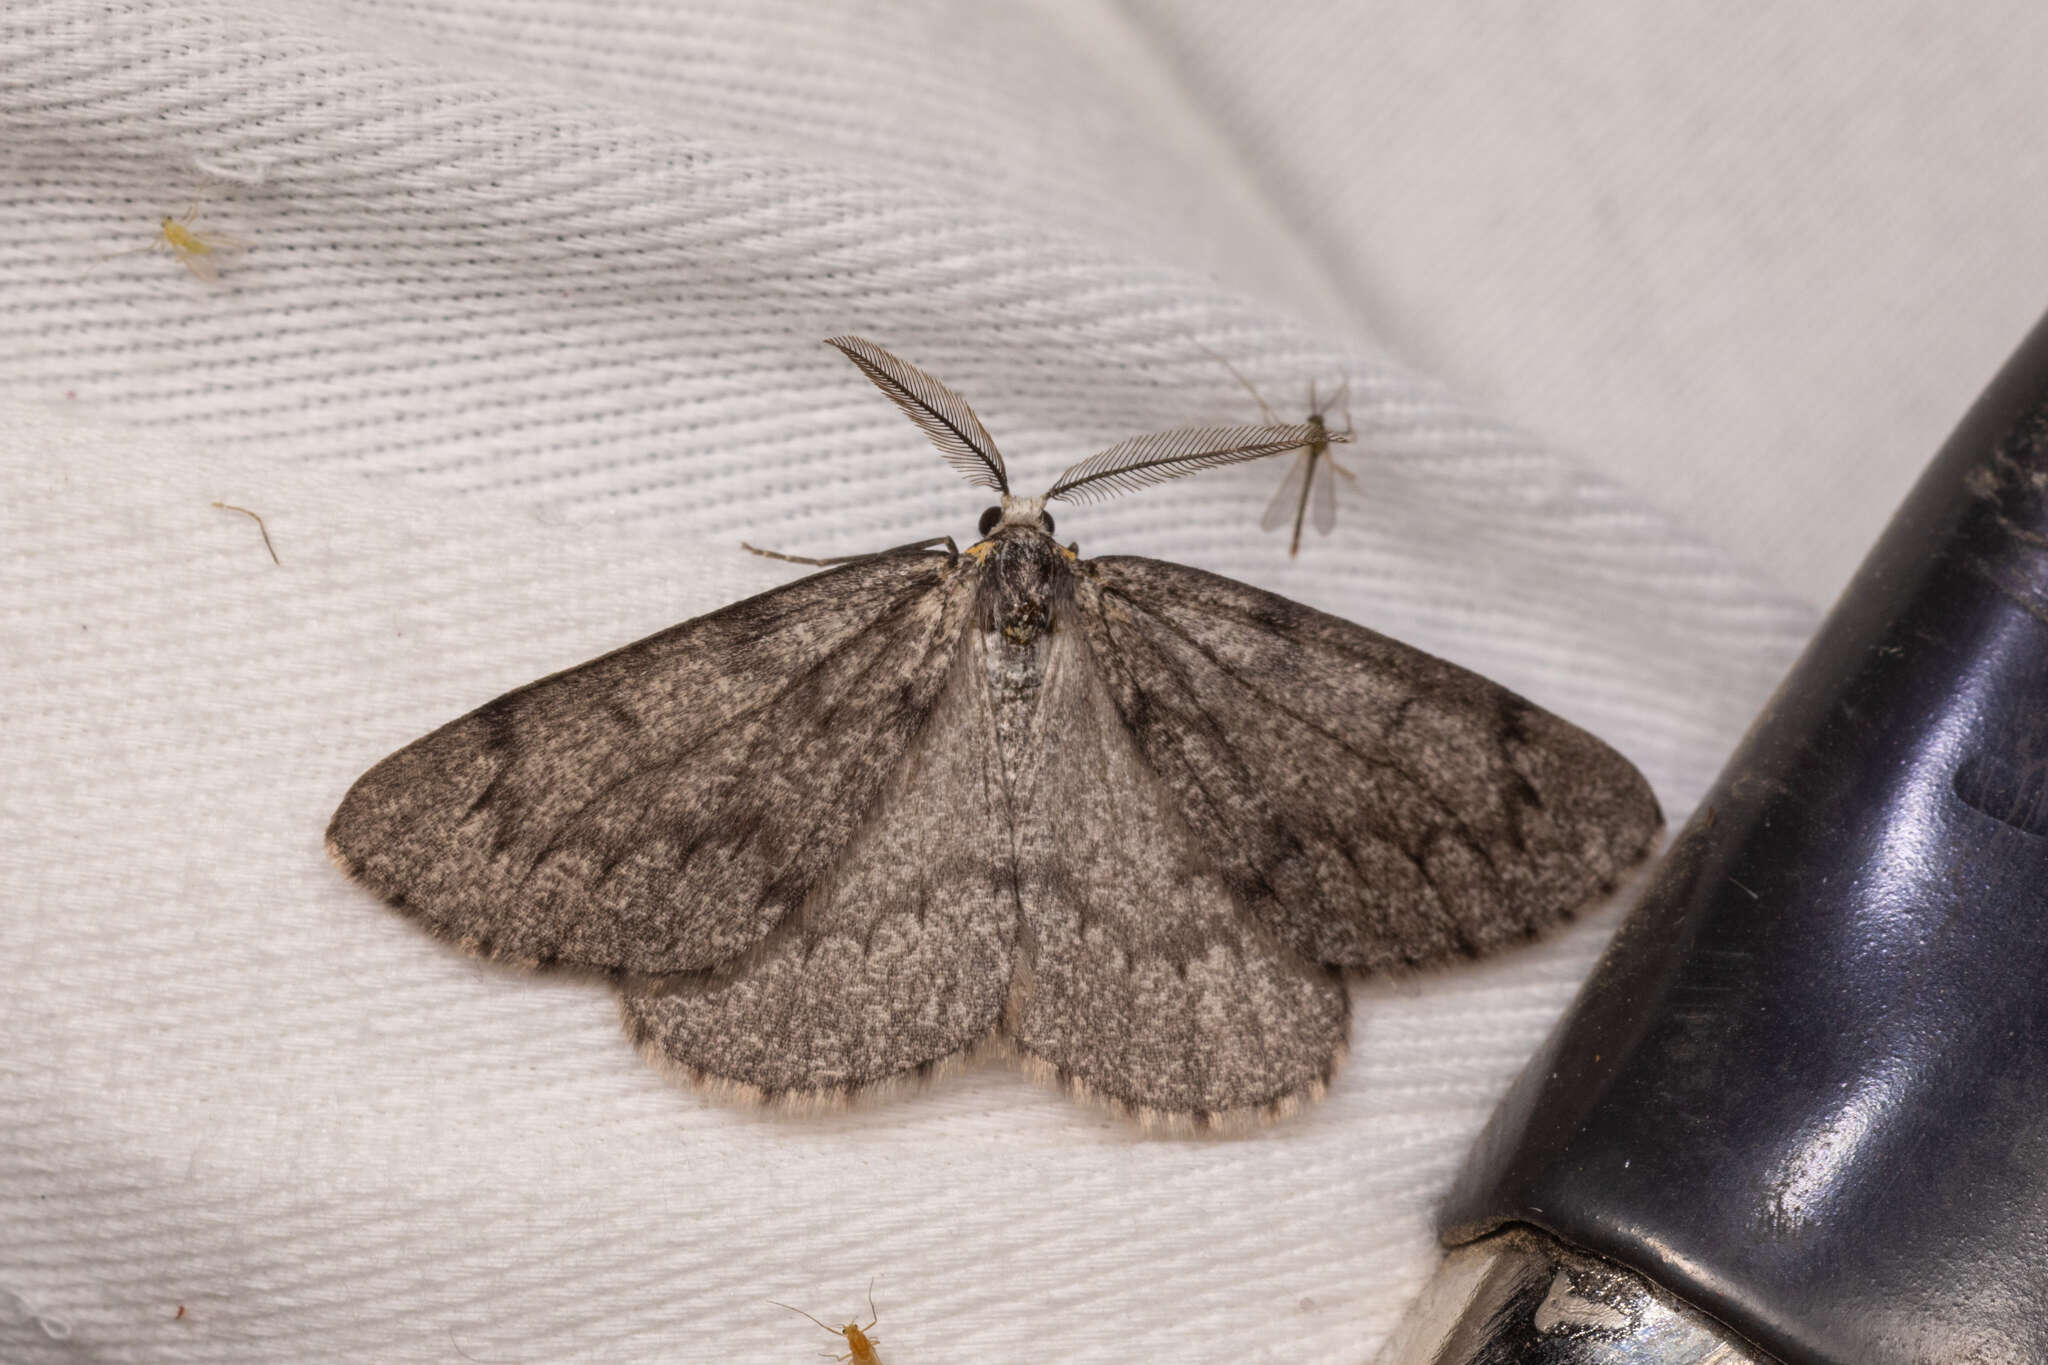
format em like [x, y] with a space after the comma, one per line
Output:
[660, 809]
[1322, 501]
[1287, 497]
[1370, 804]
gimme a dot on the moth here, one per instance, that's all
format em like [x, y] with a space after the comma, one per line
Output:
[1125, 820]
[860, 1346]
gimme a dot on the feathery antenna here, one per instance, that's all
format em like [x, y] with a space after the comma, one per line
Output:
[1146, 460]
[940, 413]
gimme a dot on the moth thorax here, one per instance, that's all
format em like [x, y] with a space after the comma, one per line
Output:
[1025, 580]
[1022, 511]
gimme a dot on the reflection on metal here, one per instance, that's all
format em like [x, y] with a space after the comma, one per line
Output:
[1823, 1160]
[1521, 1297]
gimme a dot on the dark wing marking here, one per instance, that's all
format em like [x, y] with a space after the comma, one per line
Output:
[661, 808]
[1142, 980]
[1372, 804]
[900, 959]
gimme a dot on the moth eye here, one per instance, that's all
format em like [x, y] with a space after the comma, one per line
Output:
[1046, 519]
[990, 518]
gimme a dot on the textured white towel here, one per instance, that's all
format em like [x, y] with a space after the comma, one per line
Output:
[1752, 261]
[525, 340]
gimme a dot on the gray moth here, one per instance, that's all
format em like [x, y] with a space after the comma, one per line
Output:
[1124, 820]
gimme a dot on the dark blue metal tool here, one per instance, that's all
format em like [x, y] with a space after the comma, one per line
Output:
[1800, 1109]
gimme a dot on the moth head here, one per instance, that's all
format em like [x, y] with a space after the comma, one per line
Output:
[1016, 511]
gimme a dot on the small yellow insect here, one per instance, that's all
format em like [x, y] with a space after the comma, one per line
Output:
[195, 250]
[862, 1345]
[181, 236]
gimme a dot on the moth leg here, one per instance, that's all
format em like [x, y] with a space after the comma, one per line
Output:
[915, 547]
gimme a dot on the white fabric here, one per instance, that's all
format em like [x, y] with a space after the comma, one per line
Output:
[525, 340]
[1754, 261]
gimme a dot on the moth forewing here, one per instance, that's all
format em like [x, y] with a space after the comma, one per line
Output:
[1125, 819]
